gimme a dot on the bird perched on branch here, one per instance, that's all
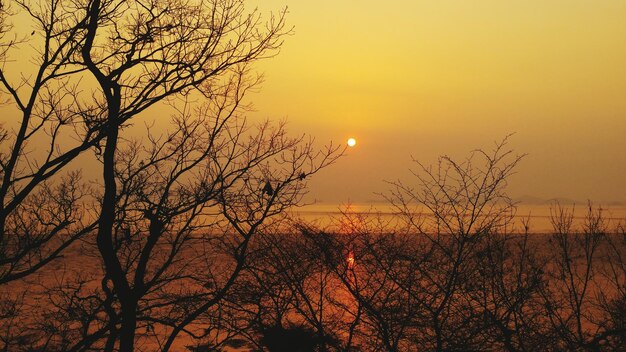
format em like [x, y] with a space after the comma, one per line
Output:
[268, 189]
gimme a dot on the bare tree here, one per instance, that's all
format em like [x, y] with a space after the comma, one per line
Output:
[416, 285]
[212, 173]
[142, 52]
[209, 184]
[581, 299]
[41, 214]
[613, 302]
[501, 298]
[463, 203]
[44, 203]
[292, 291]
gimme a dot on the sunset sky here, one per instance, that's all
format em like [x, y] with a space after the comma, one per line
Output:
[418, 79]
[424, 78]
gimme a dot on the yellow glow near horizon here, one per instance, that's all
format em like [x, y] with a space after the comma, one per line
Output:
[426, 78]
[418, 79]
[351, 142]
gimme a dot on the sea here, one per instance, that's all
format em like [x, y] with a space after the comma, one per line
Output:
[538, 217]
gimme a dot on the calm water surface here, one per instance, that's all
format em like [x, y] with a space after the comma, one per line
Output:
[325, 214]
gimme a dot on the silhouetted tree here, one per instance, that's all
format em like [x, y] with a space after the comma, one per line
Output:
[176, 211]
[42, 208]
[285, 287]
[292, 338]
[450, 276]
[224, 166]
[142, 52]
[455, 274]
[583, 289]
[44, 202]
[464, 202]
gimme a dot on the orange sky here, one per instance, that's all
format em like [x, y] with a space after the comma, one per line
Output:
[424, 78]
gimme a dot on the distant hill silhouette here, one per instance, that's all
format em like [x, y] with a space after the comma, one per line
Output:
[528, 199]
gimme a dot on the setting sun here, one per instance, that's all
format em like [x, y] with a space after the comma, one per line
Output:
[351, 142]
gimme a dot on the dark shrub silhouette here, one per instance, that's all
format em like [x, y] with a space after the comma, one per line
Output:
[295, 338]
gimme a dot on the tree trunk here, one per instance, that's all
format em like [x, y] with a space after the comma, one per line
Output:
[129, 325]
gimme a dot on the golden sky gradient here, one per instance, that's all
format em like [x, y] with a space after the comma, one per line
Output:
[423, 78]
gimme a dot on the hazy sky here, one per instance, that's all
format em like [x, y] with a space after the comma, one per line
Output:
[419, 79]
[424, 78]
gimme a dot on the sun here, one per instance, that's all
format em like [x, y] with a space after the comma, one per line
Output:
[351, 142]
